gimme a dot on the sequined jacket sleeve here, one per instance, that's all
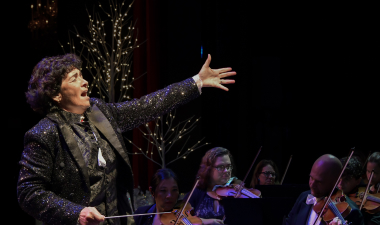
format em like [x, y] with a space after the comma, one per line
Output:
[48, 184]
[50, 187]
[131, 114]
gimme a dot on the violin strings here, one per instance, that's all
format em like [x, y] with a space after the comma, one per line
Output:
[336, 183]
[336, 212]
[187, 200]
[182, 219]
[250, 194]
[186, 221]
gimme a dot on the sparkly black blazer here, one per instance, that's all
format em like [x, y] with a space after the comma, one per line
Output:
[53, 184]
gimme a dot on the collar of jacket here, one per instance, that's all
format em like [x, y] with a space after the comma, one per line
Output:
[102, 124]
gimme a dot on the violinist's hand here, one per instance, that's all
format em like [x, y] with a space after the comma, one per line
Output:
[211, 221]
[213, 77]
[90, 216]
[336, 221]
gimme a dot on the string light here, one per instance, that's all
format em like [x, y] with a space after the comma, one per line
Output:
[117, 69]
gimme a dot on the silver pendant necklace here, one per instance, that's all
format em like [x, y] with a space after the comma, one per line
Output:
[101, 161]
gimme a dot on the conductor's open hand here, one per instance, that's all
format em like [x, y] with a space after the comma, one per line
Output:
[214, 77]
[90, 216]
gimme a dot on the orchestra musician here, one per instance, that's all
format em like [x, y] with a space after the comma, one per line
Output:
[164, 189]
[373, 164]
[265, 173]
[323, 175]
[215, 169]
[352, 176]
[74, 166]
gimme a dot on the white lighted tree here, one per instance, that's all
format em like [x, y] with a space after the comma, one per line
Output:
[163, 137]
[107, 52]
[107, 56]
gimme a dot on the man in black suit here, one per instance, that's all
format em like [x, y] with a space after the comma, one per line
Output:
[323, 176]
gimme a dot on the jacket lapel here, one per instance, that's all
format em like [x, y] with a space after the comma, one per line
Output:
[73, 146]
[104, 126]
[304, 213]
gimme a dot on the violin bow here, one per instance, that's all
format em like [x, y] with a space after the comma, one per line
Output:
[187, 200]
[246, 175]
[143, 214]
[286, 170]
[366, 190]
[332, 191]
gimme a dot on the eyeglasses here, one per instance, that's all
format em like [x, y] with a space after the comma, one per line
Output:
[222, 168]
[267, 173]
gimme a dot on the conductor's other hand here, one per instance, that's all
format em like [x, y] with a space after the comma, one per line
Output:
[90, 216]
[213, 77]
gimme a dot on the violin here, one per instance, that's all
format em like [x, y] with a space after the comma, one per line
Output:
[336, 207]
[327, 209]
[184, 216]
[356, 197]
[370, 201]
[187, 217]
[236, 190]
[232, 190]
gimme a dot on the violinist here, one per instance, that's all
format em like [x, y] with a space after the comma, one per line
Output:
[164, 189]
[373, 164]
[265, 173]
[324, 173]
[215, 169]
[352, 176]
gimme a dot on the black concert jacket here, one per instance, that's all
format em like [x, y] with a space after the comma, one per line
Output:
[53, 184]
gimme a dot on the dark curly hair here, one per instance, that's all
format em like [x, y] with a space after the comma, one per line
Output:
[45, 82]
[353, 168]
[207, 164]
[259, 167]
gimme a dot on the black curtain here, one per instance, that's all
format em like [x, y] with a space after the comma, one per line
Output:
[306, 83]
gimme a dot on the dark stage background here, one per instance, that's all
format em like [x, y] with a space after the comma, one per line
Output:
[306, 82]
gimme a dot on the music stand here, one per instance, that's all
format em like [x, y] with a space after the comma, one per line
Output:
[277, 201]
[256, 211]
[285, 190]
